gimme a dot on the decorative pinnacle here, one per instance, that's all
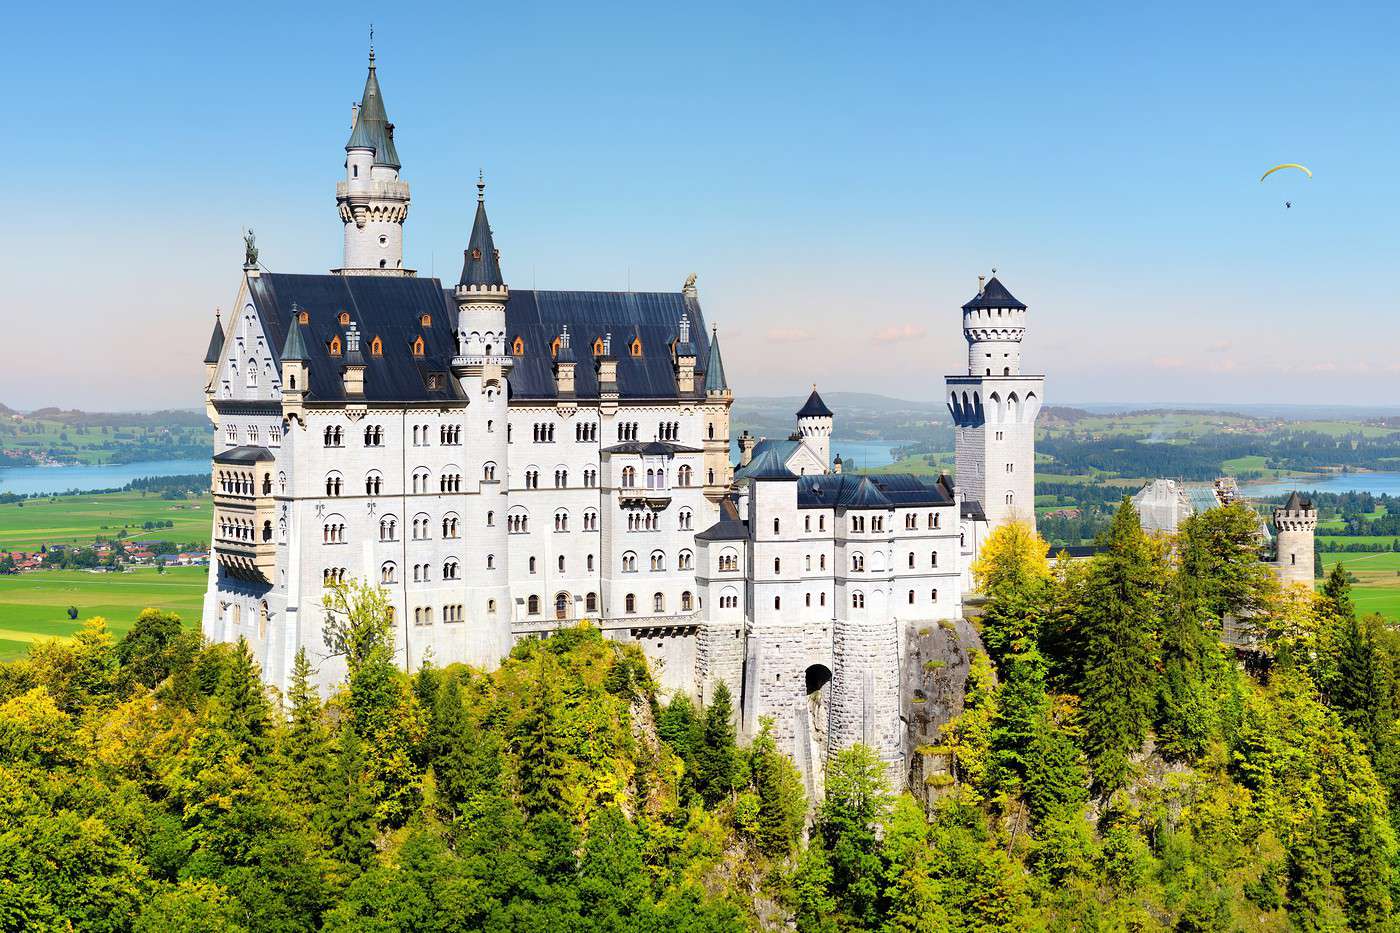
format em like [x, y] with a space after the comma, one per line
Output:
[564, 337]
[480, 186]
[371, 45]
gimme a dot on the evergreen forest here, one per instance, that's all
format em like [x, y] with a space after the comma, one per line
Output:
[1159, 738]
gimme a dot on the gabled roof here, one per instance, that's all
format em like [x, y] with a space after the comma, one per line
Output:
[782, 448]
[714, 367]
[770, 464]
[972, 509]
[814, 407]
[387, 307]
[840, 490]
[372, 127]
[994, 295]
[216, 343]
[481, 265]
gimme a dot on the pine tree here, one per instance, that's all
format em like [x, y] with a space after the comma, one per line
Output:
[857, 803]
[718, 757]
[539, 747]
[240, 709]
[348, 816]
[1336, 590]
[1120, 623]
[782, 804]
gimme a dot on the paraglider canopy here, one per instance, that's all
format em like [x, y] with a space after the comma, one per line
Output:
[1302, 168]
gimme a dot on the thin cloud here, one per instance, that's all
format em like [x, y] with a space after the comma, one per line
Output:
[900, 332]
[788, 335]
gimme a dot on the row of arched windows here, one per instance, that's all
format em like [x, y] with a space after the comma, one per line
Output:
[627, 431]
[586, 432]
[669, 431]
[242, 484]
[911, 521]
[685, 560]
[334, 437]
[544, 433]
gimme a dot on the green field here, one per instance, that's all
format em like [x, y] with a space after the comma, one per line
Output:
[35, 605]
[1344, 540]
[1377, 587]
[24, 526]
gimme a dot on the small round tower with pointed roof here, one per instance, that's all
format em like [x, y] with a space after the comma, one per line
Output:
[372, 200]
[1296, 521]
[814, 423]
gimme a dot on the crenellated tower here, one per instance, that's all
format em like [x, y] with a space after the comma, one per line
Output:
[1296, 522]
[814, 424]
[372, 199]
[994, 408]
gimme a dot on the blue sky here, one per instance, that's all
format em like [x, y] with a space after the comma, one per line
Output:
[837, 177]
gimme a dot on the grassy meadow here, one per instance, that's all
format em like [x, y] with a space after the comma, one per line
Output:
[1377, 587]
[24, 526]
[35, 605]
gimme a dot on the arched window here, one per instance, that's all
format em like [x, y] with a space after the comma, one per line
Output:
[1010, 498]
[517, 347]
[857, 600]
[426, 320]
[911, 560]
[687, 601]
[388, 528]
[857, 561]
[658, 603]
[821, 597]
[911, 597]
[490, 561]
[629, 562]
[685, 561]
[376, 347]
[533, 605]
[630, 603]
[777, 602]
[629, 477]
[933, 595]
[636, 346]
[386, 573]
[450, 569]
[933, 559]
[488, 471]
[532, 565]
[777, 565]
[683, 476]
[590, 602]
[658, 560]
[335, 346]
[418, 347]
[775, 526]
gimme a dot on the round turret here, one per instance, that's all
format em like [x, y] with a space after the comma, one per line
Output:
[1296, 521]
[994, 323]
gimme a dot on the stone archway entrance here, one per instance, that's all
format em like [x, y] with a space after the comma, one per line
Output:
[818, 697]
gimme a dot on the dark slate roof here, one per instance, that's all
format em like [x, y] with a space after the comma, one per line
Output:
[782, 448]
[815, 407]
[481, 264]
[994, 295]
[730, 526]
[1297, 502]
[245, 454]
[972, 509]
[905, 490]
[840, 490]
[216, 343]
[387, 307]
[770, 464]
[390, 307]
[537, 317]
[372, 127]
[650, 448]
[714, 367]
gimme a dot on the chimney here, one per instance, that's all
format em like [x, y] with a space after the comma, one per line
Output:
[981, 284]
[564, 366]
[836, 466]
[354, 362]
[354, 115]
[607, 367]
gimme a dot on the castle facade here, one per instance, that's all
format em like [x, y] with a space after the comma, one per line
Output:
[502, 462]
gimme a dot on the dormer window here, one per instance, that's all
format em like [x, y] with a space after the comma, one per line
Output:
[417, 346]
[376, 347]
[518, 347]
[636, 346]
[335, 346]
[426, 320]
[344, 318]
[435, 381]
[598, 348]
[303, 317]
[476, 253]
[554, 348]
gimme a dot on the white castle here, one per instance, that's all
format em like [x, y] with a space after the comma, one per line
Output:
[503, 462]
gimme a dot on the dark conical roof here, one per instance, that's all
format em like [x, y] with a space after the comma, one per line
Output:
[216, 343]
[714, 367]
[481, 264]
[1297, 503]
[994, 295]
[815, 407]
[294, 348]
[372, 127]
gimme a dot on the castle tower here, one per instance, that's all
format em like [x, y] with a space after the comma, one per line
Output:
[719, 471]
[814, 422]
[1296, 521]
[373, 202]
[481, 365]
[994, 409]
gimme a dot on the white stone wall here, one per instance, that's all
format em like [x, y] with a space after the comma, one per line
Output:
[865, 689]
[1296, 531]
[994, 434]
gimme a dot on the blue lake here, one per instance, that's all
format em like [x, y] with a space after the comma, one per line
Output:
[1374, 483]
[45, 480]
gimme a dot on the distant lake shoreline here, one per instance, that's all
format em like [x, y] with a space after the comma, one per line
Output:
[45, 481]
[1376, 484]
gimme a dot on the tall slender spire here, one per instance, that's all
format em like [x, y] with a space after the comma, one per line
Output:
[714, 368]
[481, 263]
[216, 341]
[372, 127]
